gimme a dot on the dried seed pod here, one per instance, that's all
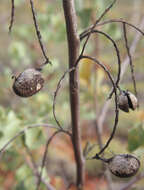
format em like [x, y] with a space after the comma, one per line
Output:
[123, 165]
[127, 101]
[123, 102]
[28, 83]
[132, 101]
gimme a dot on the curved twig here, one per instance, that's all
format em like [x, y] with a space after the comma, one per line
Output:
[115, 91]
[116, 49]
[39, 34]
[44, 157]
[116, 104]
[21, 133]
[12, 15]
[56, 93]
[116, 21]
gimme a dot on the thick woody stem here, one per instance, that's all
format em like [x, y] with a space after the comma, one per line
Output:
[73, 47]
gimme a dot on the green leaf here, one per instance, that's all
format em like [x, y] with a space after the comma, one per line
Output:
[135, 137]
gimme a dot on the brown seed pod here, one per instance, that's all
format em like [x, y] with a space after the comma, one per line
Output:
[28, 83]
[123, 165]
[127, 101]
[123, 102]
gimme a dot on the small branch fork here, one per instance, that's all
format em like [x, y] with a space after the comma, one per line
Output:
[116, 99]
[2, 150]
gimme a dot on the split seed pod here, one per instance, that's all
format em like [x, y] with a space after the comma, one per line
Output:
[123, 102]
[132, 100]
[123, 165]
[28, 83]
[127, 101]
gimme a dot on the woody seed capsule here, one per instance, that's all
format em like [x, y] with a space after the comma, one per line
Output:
[124, 165]
[28, 83]
[127, 101]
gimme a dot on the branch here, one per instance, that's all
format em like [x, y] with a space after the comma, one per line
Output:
[124, 66]
[12, 15]
[133, 181]
[95, 24]
[83, 35]
[116, 21]
[39, 34]
[116, 105]
[21, 133]
[56, 93]
[73, 48]
[34, 168]
[130, 57]
[44, 157]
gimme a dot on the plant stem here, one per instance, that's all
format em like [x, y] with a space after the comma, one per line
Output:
[73, 48]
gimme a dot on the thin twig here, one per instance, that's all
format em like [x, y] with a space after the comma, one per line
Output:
[108, 22]
[132, 48]
[21, 133]
[132, 181]
[34, 168]
[39, 34]
[115, 21]
[130, 57]
[56, 93]
[124, 66]
[94, 25]
[12, 15]
[115, 46]
[45, 156]
[116, 104]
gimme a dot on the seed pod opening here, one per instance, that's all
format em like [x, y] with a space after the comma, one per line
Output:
[132, 101]
[124, 165]
[123, 102]
[127, 101]
[28, 83]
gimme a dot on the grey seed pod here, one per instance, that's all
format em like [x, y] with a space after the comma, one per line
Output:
[124, 165]
[28, 83]
[123, 102]
[132, 101]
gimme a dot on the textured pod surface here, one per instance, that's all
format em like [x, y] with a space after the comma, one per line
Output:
[123, 102]
[28, 83]
[124, 165]
[133, 102]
